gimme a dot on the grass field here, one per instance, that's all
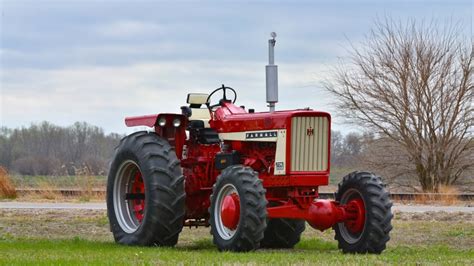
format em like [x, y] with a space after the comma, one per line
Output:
[82, 252]
[81, 237]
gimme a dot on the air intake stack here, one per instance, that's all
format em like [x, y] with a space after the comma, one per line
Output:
[272, 75]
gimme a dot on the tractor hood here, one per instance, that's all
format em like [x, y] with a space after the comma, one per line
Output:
[230, 118]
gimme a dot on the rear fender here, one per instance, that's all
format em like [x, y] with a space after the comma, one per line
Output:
[152, 120]
[144, 120]
[176, 136]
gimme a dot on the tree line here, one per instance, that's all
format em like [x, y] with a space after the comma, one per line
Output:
[384, 156]
[48, 149]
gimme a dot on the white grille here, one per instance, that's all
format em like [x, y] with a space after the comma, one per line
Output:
[309, 144]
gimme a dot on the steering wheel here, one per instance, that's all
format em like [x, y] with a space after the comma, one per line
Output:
[224, 98]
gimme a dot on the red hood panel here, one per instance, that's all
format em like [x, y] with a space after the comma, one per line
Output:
[227, 122]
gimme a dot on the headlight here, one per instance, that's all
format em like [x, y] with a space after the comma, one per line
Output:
[177, 122]
[162, 121]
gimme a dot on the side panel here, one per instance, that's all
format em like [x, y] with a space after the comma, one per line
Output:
[258, 135]
[280, 154]
[277, 136]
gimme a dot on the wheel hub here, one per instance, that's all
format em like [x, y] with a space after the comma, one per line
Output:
[230, 211]
[356, 225]
[138, 205]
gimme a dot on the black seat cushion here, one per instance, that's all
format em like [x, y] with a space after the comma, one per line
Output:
[201, 134]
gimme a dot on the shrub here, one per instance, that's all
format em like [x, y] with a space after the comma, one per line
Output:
[7, 190]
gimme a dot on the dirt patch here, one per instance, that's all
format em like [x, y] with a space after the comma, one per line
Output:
[54, 224]
[67, 224]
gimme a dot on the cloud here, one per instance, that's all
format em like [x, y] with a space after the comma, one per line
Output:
[129, 28]
[65, 62]
[104, 95]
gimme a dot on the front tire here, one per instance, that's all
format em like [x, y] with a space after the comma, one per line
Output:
[145, 192]
[238, 209]
[371, 234]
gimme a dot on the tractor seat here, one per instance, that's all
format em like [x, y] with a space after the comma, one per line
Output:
[202, 135]
[195, 101]
[200, 114]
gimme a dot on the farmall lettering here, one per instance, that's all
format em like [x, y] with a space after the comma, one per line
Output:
[256, 135]
[253, 177]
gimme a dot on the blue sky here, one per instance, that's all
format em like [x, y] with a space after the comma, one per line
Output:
[99, 61]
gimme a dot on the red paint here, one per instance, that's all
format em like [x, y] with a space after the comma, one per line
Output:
[198, 168]
[295, 193]
[144, 120]
[321, 214]
[138, 205]
[231, 118]
[175, 136]
[356, 225]
[230, 211]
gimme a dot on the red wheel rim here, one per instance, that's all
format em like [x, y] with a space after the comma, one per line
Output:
[356, 225]
[138, 205]
[230, 211]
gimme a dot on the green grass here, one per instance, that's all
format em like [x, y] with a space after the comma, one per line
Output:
[78, 237]
[309, 251]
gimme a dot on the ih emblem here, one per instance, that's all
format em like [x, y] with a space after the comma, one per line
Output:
[310, 131]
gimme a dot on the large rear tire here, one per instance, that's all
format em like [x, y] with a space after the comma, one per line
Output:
[238, 209]
[372, 234]
[145, 192]
[282, 233]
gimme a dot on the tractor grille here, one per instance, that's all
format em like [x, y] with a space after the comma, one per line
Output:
[309, 144]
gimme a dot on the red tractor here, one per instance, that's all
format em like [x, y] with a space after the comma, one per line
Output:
[253, 177]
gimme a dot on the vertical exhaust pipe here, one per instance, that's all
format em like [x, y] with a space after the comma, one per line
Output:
[272, 75]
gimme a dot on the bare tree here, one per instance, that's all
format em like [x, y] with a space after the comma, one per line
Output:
[413, 83]
[390, 160]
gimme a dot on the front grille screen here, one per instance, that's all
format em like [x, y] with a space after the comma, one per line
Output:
[309, 144]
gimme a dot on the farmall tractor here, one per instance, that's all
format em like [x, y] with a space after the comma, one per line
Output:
[253, 177]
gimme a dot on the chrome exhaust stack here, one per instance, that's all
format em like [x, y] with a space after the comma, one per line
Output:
[271, 71]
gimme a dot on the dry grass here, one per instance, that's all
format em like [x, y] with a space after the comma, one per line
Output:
[46, 190]
[85, 183]
[50, 188]
[447, 196]
[88, 187]
[7, 190]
